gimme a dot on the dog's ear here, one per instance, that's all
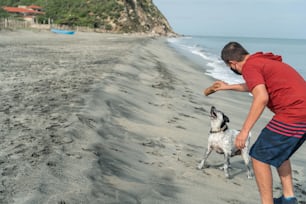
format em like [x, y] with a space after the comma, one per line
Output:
[226, 119]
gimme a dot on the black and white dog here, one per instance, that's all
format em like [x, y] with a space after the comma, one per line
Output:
[222, 140]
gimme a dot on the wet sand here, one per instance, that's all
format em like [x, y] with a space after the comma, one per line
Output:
[101, 118]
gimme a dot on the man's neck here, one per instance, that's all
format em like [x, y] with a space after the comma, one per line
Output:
[246, 57]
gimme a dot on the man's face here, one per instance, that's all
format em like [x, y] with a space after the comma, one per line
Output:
[235, 71]
[233, 67]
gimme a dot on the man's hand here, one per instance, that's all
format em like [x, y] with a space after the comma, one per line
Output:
[216, 86]
[241, 139]
[220, 85]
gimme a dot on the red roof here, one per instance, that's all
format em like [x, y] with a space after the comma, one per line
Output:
[34, 7]
[20, 10]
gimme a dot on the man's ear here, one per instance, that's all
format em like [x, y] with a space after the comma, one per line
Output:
[233, 62]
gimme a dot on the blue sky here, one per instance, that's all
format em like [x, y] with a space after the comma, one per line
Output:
[249, 18]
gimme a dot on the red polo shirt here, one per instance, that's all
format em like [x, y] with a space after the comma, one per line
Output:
[285, 86]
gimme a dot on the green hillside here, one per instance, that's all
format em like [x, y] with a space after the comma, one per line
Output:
[114, 15]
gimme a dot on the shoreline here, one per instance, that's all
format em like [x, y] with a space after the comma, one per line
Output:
[108, 118]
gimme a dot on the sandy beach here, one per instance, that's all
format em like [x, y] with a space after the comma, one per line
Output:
[104, 119]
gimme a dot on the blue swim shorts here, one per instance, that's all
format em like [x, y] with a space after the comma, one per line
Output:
[277, 142]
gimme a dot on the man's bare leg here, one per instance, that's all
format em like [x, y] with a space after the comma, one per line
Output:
[285, 175]
[263, 177]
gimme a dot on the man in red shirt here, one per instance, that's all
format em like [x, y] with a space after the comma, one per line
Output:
[279, 87]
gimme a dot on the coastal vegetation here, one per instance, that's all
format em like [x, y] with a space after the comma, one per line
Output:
[112, 15]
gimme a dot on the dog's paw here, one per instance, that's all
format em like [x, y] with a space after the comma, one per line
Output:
[222, 167]
[250, 176]
[200, 166]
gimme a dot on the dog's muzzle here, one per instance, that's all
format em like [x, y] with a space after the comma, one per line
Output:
[213, 113]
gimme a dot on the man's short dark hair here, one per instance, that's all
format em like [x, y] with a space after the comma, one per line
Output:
[233, 51]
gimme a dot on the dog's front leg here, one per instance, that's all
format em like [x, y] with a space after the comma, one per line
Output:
[203, 162]
[226, 165]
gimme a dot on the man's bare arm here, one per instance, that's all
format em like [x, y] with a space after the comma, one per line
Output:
[260, 100]
[234, 87]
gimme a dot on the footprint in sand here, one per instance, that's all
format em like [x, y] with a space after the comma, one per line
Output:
[91, 123]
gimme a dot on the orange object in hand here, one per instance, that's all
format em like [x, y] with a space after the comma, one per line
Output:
[211, 89]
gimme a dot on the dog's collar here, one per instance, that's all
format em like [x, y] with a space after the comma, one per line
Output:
[222, 129]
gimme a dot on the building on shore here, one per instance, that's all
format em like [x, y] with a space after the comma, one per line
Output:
[28, 13]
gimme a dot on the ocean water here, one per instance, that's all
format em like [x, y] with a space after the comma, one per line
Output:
[205, 50]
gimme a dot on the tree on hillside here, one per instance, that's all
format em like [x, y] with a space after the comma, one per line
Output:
[115, 15]
[3, 13]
